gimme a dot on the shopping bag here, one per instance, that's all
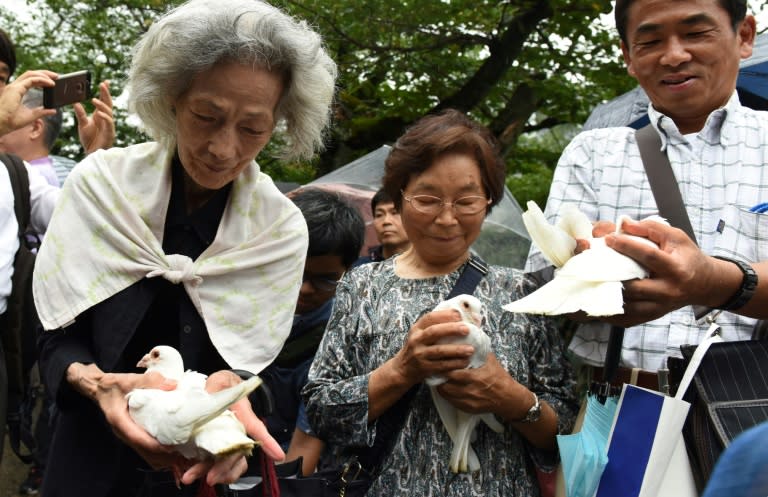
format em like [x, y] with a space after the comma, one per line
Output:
[646, 431]
[646, 449]
[643, 453]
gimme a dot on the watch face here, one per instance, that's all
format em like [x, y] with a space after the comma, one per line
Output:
[534, 413]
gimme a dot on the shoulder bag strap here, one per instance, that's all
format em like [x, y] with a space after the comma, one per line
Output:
[20, 185]
[666, 192]
[662, 179]
[470, 276]
[391, 422]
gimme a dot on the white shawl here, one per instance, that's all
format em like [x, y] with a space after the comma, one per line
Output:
[106, 234]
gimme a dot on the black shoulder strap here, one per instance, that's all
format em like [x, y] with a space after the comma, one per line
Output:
[665, 189]
[666, 192]
[470, 276]
[20, 186]
[662, 179]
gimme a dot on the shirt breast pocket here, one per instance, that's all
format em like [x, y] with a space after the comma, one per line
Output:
[744, 235]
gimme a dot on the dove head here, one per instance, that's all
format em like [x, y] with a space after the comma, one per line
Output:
[469, 307]
[165, 360]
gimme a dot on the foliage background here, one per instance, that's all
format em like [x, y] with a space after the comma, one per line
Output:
[531, 70]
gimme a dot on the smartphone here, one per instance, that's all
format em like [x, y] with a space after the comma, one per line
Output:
[70, 88]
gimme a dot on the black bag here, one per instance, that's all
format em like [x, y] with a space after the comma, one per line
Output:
[19, 322]
[729, 394]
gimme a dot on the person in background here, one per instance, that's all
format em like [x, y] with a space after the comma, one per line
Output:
[96, 131]
[33, 142]
[201, 251]
[685, 55]
[389, 230]
[336, 231]
[445, 175]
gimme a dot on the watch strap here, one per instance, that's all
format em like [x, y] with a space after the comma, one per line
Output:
[747, 288]
[534, 413]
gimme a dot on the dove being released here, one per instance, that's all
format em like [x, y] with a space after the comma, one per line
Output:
[196, 423]
[461, 425]
[590, 281]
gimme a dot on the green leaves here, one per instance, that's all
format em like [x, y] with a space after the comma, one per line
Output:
[520, 66]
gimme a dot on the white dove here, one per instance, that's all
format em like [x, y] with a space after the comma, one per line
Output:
[196, 423]
[461, 425]
[590, 281]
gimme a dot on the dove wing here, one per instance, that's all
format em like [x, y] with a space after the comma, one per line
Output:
[210, 405]
[482, 344]
[173, 416]
[554, 242]
[601, 263]
[155, 410]
[223, 435]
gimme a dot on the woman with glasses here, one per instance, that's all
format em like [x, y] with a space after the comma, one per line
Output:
[445, 175]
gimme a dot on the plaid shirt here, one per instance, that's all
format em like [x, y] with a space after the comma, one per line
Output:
[721, 173]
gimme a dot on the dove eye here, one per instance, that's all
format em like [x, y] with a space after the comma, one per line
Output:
[155, 354]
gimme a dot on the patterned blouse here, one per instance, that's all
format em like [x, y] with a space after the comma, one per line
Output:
[373, 312]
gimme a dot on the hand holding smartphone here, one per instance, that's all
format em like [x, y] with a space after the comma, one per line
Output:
[69, 88]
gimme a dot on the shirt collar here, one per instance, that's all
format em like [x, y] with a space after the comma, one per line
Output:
[41, 161]
[715, 128]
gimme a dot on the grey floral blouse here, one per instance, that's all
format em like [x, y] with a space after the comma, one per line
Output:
[373, 312]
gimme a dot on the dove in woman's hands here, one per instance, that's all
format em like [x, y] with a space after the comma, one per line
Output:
[460, 425]
[198, 424]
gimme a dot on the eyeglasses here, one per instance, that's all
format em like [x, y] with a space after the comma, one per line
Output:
[320, 283]
[464, 206]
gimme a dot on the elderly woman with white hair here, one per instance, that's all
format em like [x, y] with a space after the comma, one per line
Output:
[182, 241]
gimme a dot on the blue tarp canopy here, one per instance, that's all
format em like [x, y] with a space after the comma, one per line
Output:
[631, 108]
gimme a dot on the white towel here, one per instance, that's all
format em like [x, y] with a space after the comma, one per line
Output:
[106, 234]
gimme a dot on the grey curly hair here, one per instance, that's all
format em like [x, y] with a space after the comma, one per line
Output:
[198, 34]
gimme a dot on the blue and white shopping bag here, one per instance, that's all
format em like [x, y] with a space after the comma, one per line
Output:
[644, 447]
[646, 452]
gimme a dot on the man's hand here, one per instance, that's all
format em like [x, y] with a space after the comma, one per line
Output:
[97, 130]
[15, 115]
[679, 273]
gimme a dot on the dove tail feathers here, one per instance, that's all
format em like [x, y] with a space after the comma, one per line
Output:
[220, 401]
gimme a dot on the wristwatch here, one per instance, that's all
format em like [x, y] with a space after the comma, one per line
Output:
[534, 413]
[747, 288]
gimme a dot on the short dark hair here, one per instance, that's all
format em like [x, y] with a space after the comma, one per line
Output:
[737, 10]
[52, 123]
[335, 226]
[381, 197]
[438, 134]
[7, 51]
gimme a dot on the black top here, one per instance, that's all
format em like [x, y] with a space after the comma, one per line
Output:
[115, 334]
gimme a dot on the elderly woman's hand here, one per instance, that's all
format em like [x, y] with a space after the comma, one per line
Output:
[228, 469]
[108, 390]
[422, 355]
[489, 388]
